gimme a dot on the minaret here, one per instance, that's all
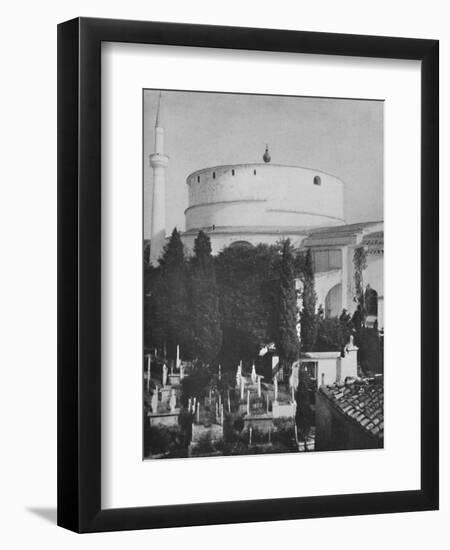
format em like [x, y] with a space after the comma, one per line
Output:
[158, 161]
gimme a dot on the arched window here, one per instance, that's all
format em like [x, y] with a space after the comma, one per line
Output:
[241, 244]
[333, 301]
[254, 172]
[214, 175]
[317, 180]
[198, 179]
[232, 172]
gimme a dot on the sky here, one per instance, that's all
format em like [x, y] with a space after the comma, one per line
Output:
[341, 136]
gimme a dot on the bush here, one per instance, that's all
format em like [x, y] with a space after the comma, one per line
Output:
[370, 353]
[204, 445]
[162, 439]
[284, 434]
[197, 383]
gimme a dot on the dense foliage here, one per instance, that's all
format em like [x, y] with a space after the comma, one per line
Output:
[204, 303]
[304, 416]
[221, 309]
[308, 317]
[285, 307]
[245, 278]
[171, 298]
[360, 264]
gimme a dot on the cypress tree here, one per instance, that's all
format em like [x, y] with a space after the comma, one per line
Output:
[172, 296]
[206, 326]
[360, 264]
[245, 279]
[286, 339]
[308, 320]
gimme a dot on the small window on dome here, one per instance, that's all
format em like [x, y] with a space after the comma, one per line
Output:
[317, 180]
[214, 175]
[198, 179]
[232, 172]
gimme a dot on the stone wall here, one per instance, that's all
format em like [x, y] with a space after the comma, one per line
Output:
[263, 195]
[164, 419]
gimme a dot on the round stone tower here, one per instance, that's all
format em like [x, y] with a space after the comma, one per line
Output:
[261, 202]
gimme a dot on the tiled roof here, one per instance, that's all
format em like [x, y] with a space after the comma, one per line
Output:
[361, 400]
[350, 228]
[376, 235]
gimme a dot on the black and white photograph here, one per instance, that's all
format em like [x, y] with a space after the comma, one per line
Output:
[225, 286]
[263, 262]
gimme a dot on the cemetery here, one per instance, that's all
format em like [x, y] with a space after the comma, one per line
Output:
[195, 410]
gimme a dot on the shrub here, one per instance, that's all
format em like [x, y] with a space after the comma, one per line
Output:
[162, 439]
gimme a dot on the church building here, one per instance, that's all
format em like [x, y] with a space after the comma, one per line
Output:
[247, 204]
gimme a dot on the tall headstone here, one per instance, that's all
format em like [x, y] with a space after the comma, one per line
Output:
[149, 361]
[164, 375]
[172, 401]
[238, 375]
[154, 402]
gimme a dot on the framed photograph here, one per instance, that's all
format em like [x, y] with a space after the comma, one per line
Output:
[248, 275]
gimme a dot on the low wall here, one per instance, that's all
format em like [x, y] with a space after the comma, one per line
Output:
[164, 419]
[283, 409]
[262, 422]
[214, 432]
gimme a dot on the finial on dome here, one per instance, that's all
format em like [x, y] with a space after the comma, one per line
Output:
[266, 156]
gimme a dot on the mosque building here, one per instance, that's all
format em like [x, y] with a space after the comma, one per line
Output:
[247, 204]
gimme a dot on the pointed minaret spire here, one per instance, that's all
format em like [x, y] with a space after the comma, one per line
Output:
[158, 110]
[158, 161]
[159, 131]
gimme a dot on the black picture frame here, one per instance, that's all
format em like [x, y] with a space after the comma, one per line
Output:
[79, 274]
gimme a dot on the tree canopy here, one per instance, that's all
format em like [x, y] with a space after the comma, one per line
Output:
[308, 317]
[204, 302]
[172, 297]
[244, 276]
[221, 309]
[285, 306]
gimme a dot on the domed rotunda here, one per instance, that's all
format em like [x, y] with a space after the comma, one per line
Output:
[261, 202]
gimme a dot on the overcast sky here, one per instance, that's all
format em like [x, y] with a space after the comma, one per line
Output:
[340, 136]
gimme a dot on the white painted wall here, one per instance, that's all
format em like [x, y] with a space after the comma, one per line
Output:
[276, 195]
[327, 369]
[324, 282]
